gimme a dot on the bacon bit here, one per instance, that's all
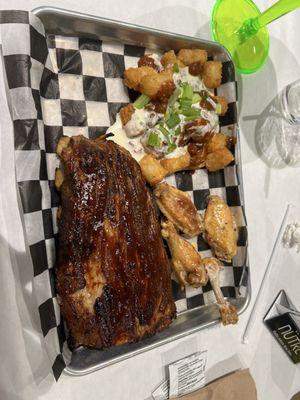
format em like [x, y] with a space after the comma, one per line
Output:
[202, 139]
[165, 91]
[206, 105]
[195, 68]
[157, 106]
[160, 103]
[146, 61]
[198, 155]
[190, 129]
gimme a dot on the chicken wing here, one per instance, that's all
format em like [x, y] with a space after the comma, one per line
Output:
[228, 311]
[220, 229]
[186, 260]
[178, 207]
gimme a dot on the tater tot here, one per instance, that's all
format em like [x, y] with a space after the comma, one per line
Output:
[126, 113]
[218, 159]
[168, 59]
[189, 56]
[180, 163]
[216, 142]
[223, 102]
[133, 76]
[152, 170]
[151, 84]
[212, 74]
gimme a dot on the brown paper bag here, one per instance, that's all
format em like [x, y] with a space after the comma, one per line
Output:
[236, 386]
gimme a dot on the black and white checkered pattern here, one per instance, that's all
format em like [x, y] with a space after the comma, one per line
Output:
[70, 86]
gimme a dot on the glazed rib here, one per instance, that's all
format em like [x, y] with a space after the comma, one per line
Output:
[112, 271]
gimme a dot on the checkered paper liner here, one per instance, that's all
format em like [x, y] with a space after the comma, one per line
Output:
[69, 86]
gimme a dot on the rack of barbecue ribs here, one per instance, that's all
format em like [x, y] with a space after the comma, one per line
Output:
[112, 272]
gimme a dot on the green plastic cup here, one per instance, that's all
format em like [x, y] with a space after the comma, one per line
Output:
[227, 18]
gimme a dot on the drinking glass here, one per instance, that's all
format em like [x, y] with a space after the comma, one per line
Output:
[290, 101]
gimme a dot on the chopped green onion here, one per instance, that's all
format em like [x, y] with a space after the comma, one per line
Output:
[175, 68]
[196, 98]
[191, 118]
[173, 120]
[190, 112]
[187, 91]
[185, 103]
[218, 108]
[177, 131]
[171, 147]
[154, 140]
[164, 131]
[174, 96]
[141, 101]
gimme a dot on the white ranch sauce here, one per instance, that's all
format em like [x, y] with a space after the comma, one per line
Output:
[140, 121]
[156, 59]
[133, 145]
[184, 76]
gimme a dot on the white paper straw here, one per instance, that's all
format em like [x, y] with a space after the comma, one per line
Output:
[251, 319]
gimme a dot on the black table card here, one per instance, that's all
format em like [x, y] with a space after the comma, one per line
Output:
[283, 321]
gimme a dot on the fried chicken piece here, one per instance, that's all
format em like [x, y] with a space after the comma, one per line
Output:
[212, 74]
[228, 311]
[218, 159]
[186, 260]
[220, 230]
[176, 163]
[157, 85]
[126, 113]
[178, 207]
[152, 169]
[189, 56]
[134, 76]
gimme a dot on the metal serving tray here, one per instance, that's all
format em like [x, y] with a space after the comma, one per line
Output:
[69, 23]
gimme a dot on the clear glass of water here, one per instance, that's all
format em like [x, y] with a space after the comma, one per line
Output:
[291, 102]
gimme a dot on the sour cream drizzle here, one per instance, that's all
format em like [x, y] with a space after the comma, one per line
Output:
[129, 136]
